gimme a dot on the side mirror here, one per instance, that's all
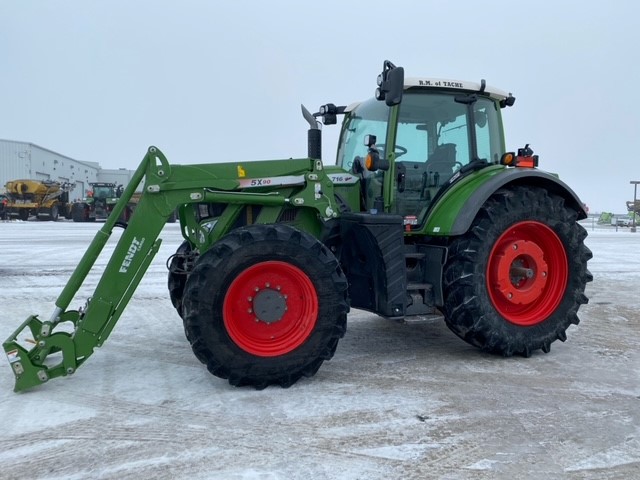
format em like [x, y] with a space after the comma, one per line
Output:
[390, 84]
[329, 113]
[395, 81]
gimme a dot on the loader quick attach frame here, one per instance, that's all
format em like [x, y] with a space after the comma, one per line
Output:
[40, 350]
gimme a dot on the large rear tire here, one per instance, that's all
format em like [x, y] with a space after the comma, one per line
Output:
[265, 305]
[514, 282]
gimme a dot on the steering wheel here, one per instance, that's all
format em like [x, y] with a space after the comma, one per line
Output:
[400, 150]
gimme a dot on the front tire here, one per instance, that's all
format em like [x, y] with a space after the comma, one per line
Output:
[79, 212]
[267, 304]
[54, 213]
[515, 281]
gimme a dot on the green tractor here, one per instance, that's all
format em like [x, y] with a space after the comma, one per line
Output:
[102, 199]
[98, 204]
[424, 212]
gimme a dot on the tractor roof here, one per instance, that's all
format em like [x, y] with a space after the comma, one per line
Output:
[442, 83]
[446, 84]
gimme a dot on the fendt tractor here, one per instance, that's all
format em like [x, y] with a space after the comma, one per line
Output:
[46, 199]
[98, 203]
[424, 212]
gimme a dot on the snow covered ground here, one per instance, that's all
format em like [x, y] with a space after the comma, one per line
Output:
[398, 401]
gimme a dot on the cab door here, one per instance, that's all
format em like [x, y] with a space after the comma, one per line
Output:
[434, 140]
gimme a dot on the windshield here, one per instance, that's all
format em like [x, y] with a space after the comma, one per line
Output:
[103, 192]
[368, 118]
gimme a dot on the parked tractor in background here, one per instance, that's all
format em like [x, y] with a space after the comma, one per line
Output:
[425, 212]
[98, 203]
[46, 199]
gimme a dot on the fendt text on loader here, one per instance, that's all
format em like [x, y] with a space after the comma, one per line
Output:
[424, 212]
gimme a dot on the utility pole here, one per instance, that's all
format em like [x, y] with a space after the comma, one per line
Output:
[635, 192]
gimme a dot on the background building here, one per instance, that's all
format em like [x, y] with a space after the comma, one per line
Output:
[121, 176]
[24, 160]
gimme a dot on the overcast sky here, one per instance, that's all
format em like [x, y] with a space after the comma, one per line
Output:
[211, 81]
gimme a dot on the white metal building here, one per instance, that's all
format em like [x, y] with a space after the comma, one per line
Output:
[24, 160]
[121, 176]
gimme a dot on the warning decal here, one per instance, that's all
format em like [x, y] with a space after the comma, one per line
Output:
[12, 355]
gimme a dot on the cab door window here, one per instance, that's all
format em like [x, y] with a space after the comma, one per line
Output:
[432, 128]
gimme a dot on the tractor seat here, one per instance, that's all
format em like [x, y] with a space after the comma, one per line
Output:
[442, 160]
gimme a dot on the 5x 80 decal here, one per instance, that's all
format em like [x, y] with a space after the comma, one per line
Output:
[271, 181]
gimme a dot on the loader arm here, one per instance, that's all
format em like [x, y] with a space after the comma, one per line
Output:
[40, 350]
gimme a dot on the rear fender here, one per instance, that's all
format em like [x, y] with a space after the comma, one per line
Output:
[457, 208]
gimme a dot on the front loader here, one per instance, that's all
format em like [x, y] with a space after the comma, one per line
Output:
[424, 212]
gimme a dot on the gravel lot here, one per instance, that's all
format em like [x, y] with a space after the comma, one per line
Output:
[398, 401]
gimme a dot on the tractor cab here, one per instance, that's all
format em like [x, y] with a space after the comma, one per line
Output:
[439, 131]
[106, 191]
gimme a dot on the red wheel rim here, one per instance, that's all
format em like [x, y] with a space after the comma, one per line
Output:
[527, 273]
[270, 309]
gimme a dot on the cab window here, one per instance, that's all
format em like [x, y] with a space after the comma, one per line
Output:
[432, 143]
[368, 118]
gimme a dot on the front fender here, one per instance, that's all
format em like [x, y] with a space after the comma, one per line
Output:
[456, 209]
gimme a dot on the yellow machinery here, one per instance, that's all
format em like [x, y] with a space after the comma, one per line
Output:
[45, 199]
